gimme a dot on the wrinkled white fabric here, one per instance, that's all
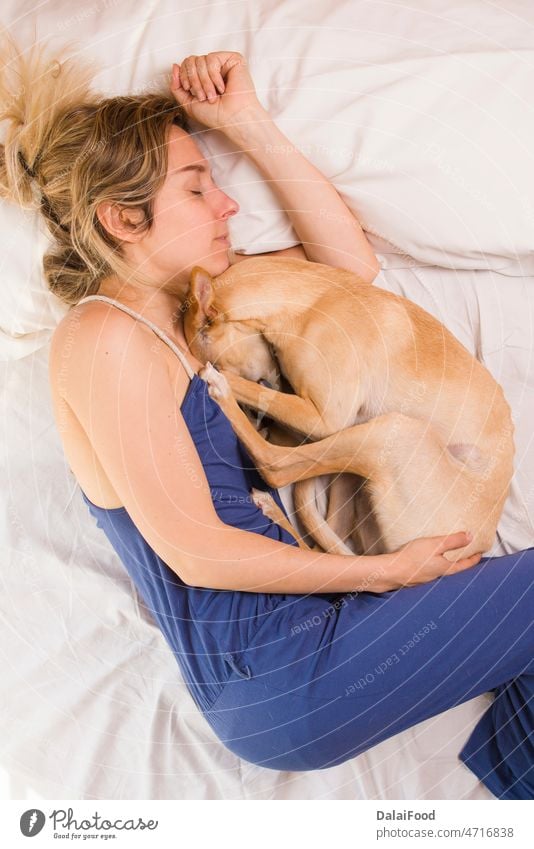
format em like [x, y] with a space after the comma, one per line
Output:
[421, 115]
[92, 704]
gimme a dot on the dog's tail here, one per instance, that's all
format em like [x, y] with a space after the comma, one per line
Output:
[315, 525]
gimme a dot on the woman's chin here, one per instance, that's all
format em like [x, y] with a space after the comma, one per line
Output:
[221, 260]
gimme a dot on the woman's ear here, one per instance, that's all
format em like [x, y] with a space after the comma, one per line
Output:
[120, 221]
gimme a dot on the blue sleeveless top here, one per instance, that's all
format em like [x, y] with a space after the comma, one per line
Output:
[206, 629]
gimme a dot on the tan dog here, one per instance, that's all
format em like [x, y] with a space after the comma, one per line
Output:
[390, 393]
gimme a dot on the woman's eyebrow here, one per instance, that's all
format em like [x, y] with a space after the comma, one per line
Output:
[201, 168]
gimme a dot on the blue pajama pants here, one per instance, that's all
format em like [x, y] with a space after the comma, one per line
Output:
[327, 677]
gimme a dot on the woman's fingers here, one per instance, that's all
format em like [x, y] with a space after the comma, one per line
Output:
[201, 75]
[203, 81]
[176, 84]
[208, 88]
[183, 97]
[191, 81]
[452, 541]
[214, 69]
[466, 563]
[451, 567]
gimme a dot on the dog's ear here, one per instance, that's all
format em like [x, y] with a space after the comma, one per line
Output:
[201, 296]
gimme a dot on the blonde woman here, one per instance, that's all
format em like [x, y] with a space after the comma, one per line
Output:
[297, 660]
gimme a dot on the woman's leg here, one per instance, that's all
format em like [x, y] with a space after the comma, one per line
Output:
[329, 681]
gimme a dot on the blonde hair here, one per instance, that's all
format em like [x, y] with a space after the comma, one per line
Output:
[67, 149]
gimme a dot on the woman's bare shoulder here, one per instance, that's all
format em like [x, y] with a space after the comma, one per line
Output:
[92, 326]
[83, 320]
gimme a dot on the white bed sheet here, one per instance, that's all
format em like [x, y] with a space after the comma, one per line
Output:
[91, 701]
[92, 704]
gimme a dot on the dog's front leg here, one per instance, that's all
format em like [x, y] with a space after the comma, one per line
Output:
[259, 449]
[272, 461]
[279, 465]
[295, 412]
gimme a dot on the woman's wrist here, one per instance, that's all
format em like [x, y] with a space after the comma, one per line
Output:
[248, 126]
[374, 573]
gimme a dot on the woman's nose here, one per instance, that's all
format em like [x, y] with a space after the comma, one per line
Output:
[228, 206]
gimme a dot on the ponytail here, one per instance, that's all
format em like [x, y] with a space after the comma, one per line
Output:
[67, 149]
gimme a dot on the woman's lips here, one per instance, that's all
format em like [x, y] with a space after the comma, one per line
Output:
[223, 239]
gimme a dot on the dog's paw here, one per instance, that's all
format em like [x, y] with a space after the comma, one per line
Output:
[218, 387]
[264, 501]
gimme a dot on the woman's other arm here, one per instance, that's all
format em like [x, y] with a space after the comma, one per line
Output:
[328, 230]
[124, 398]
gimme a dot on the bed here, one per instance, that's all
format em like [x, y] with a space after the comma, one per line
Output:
[422, 117]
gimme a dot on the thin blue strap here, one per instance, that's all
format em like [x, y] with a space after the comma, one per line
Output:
[163, 336]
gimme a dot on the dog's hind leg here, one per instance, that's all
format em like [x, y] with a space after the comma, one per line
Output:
[417, 487]
[270, 508]
[340, 511]
[367, 536]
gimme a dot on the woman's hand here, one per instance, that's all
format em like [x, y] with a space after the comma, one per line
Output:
[423, 560]
[215, 89]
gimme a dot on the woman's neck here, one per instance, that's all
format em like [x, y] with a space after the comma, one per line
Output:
[160, 307]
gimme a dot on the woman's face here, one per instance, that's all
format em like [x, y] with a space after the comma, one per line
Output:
[190, 225]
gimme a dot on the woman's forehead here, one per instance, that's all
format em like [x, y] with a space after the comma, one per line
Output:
[184, 153]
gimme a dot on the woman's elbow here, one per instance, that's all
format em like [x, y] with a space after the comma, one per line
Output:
[370, 270]
[365, 266]
[364, 271]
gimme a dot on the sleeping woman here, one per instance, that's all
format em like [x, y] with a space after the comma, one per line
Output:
[279, 646]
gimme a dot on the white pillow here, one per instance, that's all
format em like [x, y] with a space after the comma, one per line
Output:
[421, 117]
[29, 311]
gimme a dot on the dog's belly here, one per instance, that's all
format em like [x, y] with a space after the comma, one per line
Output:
[468, 455]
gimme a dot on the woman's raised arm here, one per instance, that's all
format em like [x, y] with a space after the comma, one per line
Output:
[217, 90]
[114, 381]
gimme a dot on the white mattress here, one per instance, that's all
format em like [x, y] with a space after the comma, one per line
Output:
[92, 704]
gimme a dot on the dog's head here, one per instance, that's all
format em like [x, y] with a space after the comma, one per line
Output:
[233, 345]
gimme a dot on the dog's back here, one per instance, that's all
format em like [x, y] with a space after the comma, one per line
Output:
[359, 351]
